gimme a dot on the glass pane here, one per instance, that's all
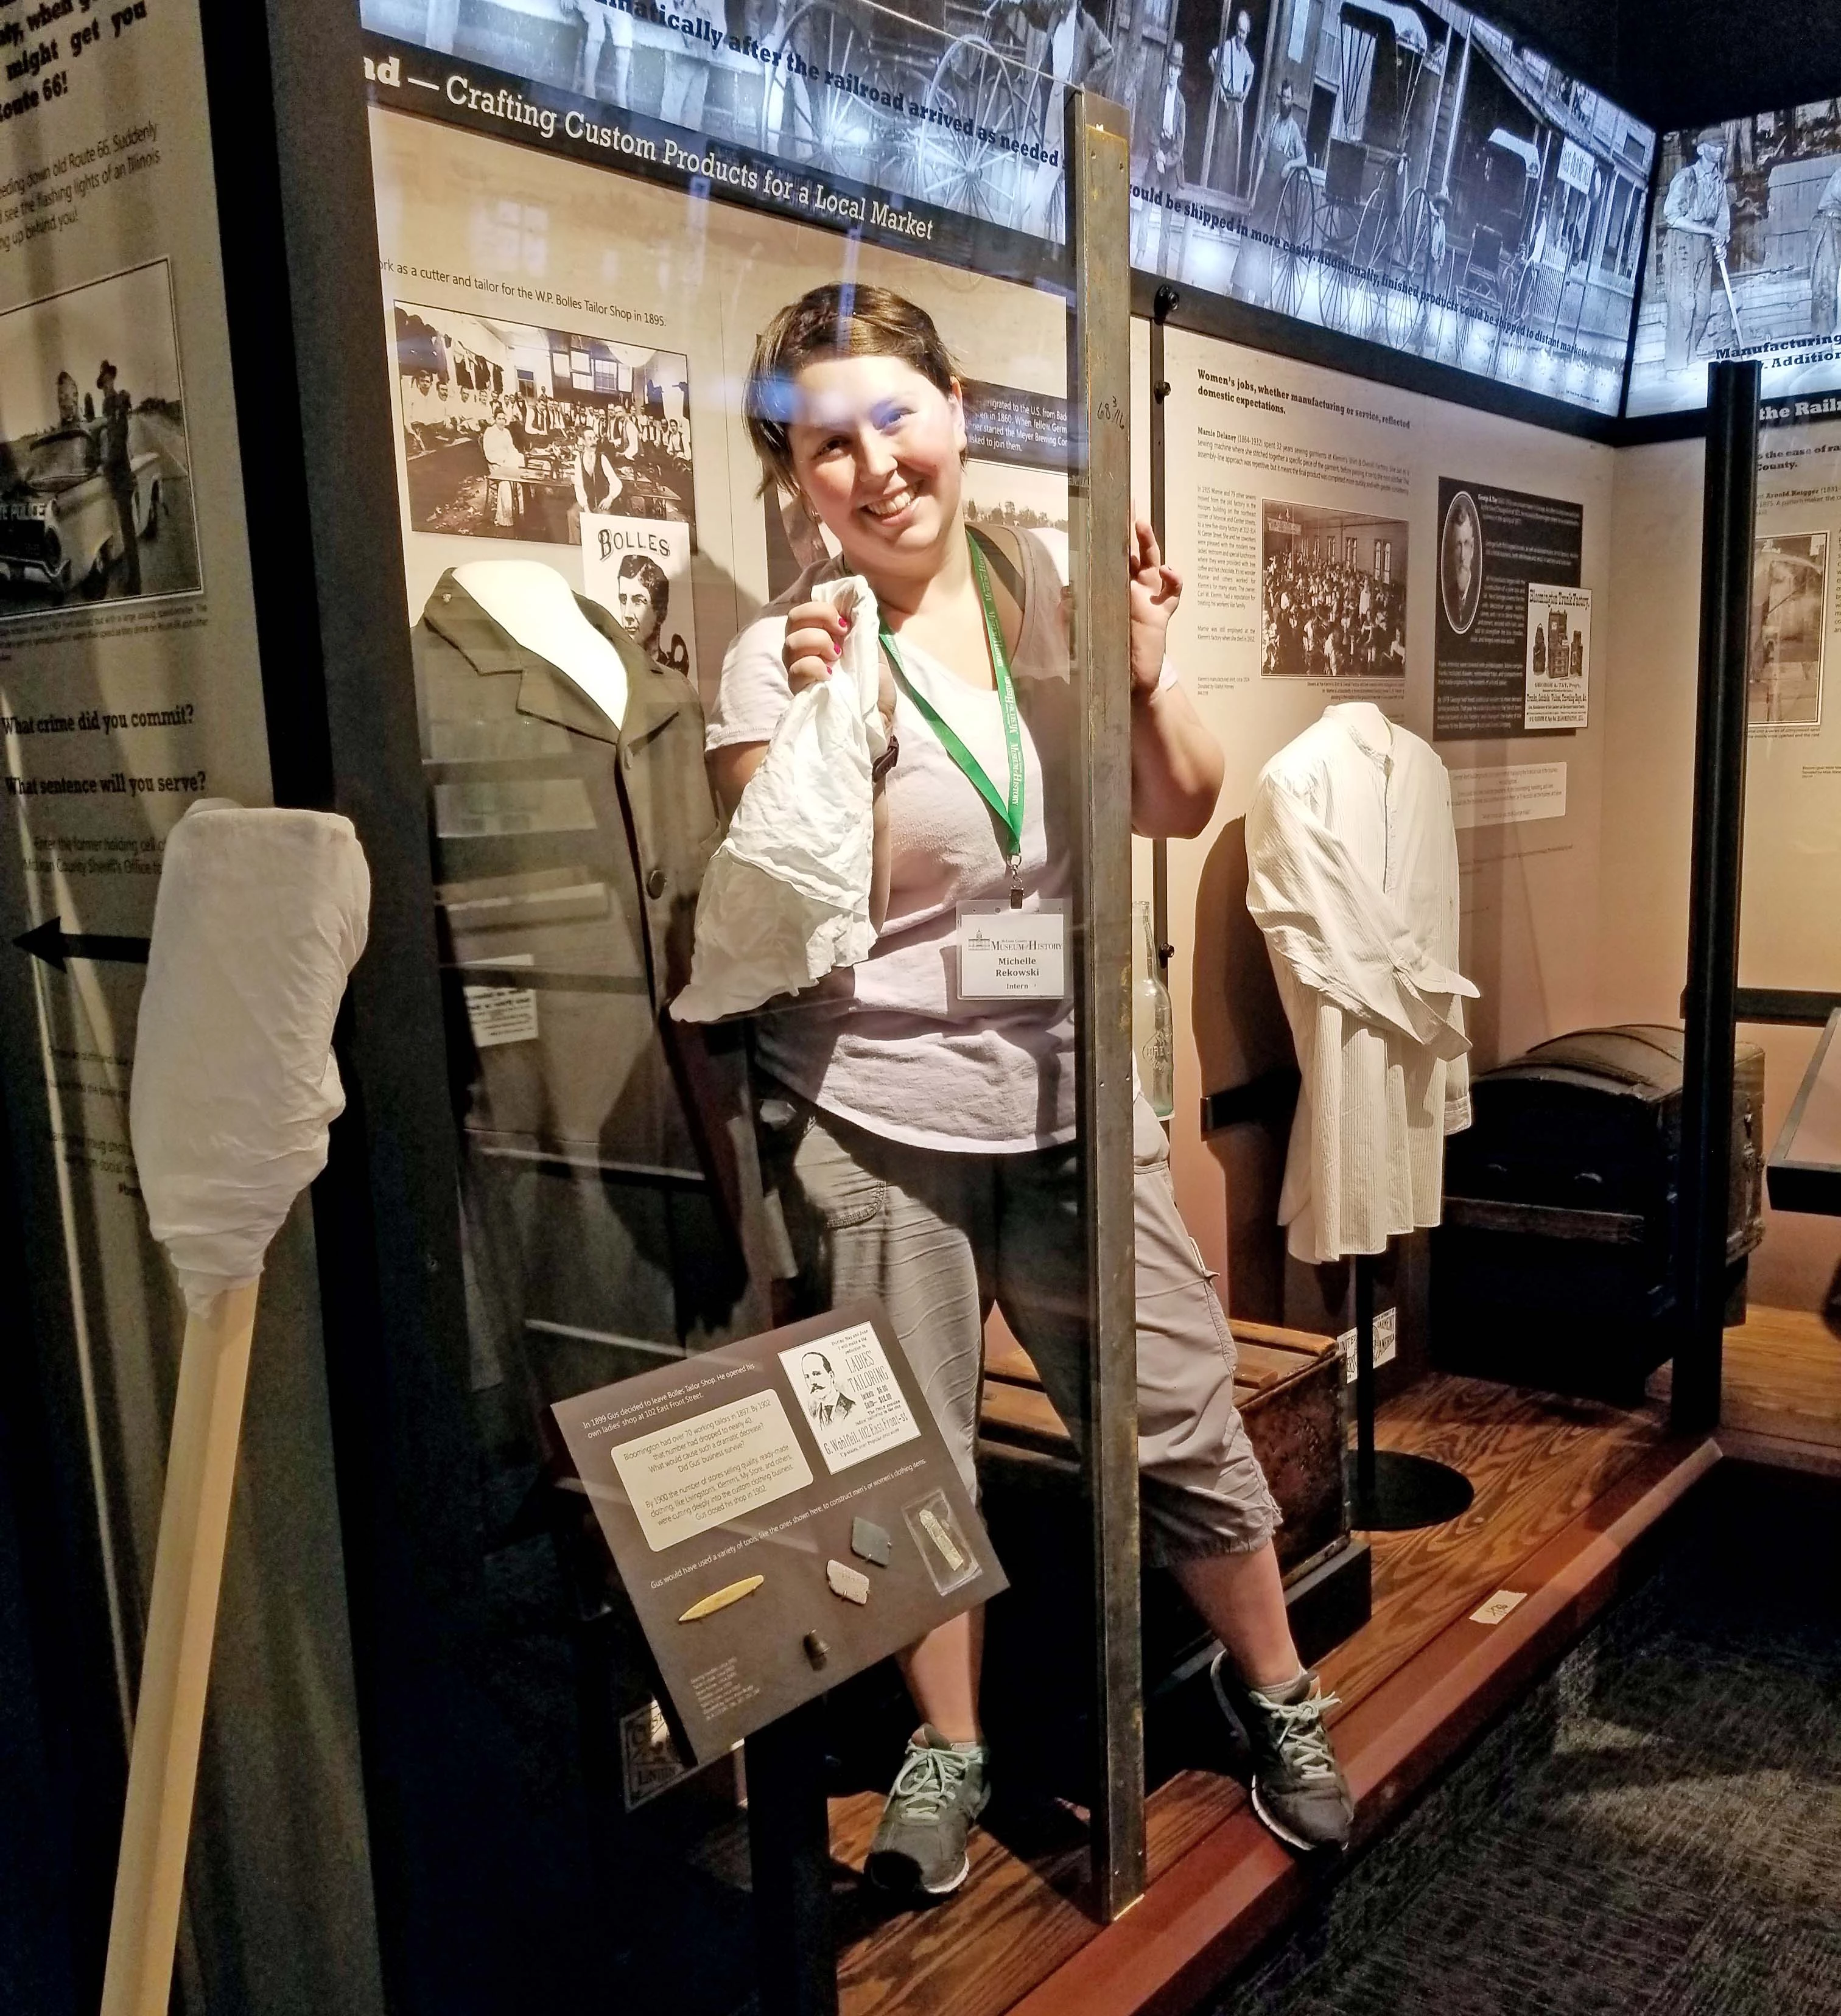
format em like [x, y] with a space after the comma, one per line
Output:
[1779, 1378]
[610, 504]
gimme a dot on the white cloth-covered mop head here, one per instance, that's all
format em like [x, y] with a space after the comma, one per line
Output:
[260, 916]
[786, 896]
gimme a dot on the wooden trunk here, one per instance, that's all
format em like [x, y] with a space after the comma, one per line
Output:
[1288, 1386]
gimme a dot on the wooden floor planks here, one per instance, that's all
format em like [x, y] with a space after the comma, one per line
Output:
[1538, 1462]
[1782, 1380]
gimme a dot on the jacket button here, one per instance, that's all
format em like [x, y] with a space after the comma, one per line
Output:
[655, 883]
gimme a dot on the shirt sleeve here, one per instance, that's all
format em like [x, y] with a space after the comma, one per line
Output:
[1337, 929]
[754, 692]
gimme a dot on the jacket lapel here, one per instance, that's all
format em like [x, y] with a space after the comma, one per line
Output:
[543, 690]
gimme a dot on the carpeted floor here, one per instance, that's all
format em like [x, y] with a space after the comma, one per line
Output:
[1656, 1832]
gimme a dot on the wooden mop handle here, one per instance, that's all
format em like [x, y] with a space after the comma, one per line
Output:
[175, 1667]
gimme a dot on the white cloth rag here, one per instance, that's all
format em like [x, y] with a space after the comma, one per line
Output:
[260, 916]
[787, 897]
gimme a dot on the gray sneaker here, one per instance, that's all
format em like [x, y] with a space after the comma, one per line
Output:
[938, 1792]
[1298, 1789]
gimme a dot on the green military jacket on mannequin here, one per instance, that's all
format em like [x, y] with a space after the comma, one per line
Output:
[611, 1184]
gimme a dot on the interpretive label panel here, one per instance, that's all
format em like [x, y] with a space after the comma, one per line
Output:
[695, 1474]
[1511, 796]
[1492, 544]
[760, 1576]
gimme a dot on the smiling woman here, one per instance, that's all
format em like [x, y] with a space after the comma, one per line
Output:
[920, 1107]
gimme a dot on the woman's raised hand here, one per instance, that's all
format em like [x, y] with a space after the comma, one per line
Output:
[815, 635]
[1155, 591]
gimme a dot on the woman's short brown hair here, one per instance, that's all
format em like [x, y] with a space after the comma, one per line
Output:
[833, 321]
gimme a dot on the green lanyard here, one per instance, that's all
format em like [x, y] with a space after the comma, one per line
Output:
[1009, 811]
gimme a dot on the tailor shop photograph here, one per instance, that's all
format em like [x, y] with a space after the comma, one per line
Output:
[1333, 594]
[95, 483]
[514, 432]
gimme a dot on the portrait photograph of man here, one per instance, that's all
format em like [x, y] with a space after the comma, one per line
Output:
[1460, 562]
[826, 1401]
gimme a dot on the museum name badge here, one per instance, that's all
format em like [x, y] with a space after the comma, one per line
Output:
[1010, 955]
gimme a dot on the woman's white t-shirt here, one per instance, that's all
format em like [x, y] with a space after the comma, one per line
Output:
[888, 1044]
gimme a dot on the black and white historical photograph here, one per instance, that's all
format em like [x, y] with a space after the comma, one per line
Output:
[1410, 174]
[1789, 604]
[515, 432]
[1333, 595]
[95, 471]
[1745, 258]
[639, 570]
[850, 1396]
[1460, 562]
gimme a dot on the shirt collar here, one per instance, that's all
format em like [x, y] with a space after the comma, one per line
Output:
[1366, 726]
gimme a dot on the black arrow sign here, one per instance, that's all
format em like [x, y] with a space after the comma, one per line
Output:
[51, 942]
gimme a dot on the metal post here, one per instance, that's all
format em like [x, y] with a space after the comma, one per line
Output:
[1390, 1491]
[1364, 1376]
[789, 1857]
[1728, 512]
[1099, 380]
[1161, 307]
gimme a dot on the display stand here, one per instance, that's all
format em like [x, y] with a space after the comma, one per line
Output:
[790, 1853]
[1728, 522]
[1390, 1492]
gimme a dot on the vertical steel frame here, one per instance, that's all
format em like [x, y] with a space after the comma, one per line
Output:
[1099, 192]
[1162, 305]
[1728, 513]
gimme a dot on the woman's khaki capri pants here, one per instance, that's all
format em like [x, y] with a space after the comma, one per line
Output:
[940, 1236]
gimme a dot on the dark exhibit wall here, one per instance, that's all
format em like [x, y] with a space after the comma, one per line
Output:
[1678, 61]
[1673, 62]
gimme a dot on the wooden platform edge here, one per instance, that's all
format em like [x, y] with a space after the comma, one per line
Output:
[1772, 1450]
[1209, 1914]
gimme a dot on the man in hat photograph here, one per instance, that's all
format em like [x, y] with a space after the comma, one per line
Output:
[1699, 227]
[118, 468]
[1283, 148]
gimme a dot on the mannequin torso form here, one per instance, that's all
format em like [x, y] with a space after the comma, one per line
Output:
[537, 607]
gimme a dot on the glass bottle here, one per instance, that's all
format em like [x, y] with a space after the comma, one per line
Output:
[1151, 1022]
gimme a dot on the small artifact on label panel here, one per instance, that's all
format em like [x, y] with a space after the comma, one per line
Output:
[848, 1582]
[869, 1542]
[707, 1605]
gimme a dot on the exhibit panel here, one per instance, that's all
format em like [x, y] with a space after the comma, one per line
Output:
[1744, 258]
[1784, 912]
[1415, 177]
[131, 688]
[1351, 546]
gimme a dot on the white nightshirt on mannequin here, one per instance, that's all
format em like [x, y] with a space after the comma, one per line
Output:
[1353, 878]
